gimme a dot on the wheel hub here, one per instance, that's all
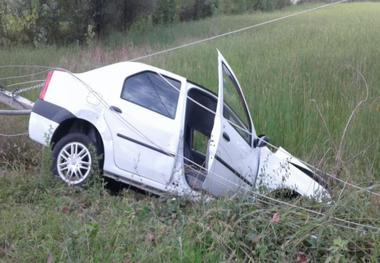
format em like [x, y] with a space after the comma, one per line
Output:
[74, 163]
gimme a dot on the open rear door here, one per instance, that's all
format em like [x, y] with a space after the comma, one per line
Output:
[230, 165]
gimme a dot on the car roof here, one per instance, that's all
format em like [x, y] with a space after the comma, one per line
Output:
[123, 69]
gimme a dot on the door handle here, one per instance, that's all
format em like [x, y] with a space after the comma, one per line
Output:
[226, 137]
[116, 109]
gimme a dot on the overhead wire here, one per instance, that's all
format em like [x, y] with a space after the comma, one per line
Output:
[185, 158]
[228, 181]
[24, 76]
[247, 28]
[22, 90]
[126, 122]
[14, 135]
[209, 39]
[276, 147]
[206, 108]
[25, 82]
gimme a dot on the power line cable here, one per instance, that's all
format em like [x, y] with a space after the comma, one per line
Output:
[14, 135]
[200, 42]
[197, 42]
[126, 122]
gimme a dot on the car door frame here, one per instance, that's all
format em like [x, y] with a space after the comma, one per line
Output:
[147, 145]
[237, 176]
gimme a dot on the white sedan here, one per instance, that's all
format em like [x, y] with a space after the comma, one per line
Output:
[162, 133]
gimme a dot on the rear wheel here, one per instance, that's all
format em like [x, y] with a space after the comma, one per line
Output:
[75, 158]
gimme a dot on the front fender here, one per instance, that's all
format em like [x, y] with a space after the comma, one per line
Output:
[281, 170]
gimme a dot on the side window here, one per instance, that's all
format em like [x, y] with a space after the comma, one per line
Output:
[234, 109]
[153, 91]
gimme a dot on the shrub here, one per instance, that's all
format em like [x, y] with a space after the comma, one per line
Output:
[45, 22]
[36, 22]
[197, 9]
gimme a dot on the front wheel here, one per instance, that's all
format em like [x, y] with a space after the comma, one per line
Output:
[75, 158]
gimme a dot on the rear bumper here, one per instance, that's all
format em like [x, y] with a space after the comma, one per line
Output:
[41, 129]
[44, 120]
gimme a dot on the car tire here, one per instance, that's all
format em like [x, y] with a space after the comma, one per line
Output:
[76, 158]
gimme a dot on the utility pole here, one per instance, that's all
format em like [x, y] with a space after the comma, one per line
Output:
[19, 104]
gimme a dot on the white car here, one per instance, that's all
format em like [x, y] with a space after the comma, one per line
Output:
[162, 133]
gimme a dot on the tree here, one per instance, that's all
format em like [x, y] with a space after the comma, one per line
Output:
[165, 12]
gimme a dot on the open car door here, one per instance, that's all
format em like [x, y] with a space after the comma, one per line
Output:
[232, 162]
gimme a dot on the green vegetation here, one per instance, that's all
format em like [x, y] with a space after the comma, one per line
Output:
[302, 78]
[42, 218]
[41, 22]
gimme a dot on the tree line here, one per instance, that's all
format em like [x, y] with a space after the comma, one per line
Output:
[61, 22]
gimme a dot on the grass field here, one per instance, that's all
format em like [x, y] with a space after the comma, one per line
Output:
[303, 79]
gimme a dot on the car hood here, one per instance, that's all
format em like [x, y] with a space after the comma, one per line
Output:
[281, 170]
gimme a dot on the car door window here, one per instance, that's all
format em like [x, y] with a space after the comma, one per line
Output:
[234, 108]
[153, 91]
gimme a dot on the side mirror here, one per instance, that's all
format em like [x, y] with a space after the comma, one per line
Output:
[260, 141]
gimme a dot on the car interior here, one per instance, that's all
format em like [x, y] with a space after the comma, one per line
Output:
[199, 123]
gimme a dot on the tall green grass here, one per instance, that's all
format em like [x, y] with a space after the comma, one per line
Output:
[291, 69]
[288, 70]
[301, 80]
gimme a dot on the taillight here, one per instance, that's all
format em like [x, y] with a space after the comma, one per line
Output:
[46, 86]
